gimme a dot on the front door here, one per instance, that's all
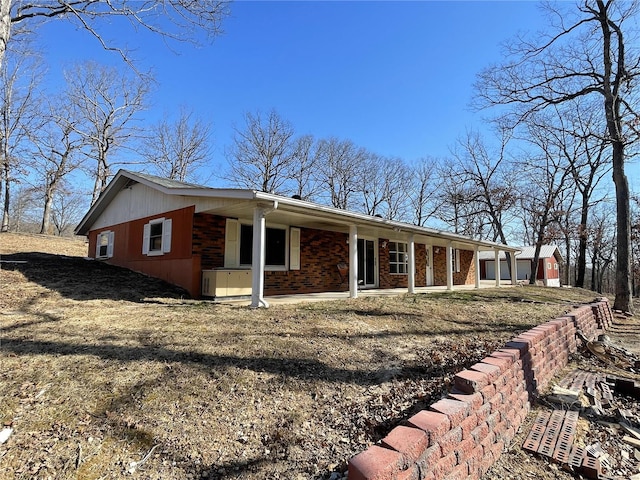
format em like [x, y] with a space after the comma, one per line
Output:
[366, 263]
[429, 271]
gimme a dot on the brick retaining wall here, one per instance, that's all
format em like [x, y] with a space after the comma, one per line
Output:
[461, 436]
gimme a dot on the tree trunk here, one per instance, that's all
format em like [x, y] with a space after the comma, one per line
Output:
[45, 227]
[612, 102]
[5, 27]
[623, 232]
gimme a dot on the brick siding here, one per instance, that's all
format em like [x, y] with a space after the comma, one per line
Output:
[467, 273]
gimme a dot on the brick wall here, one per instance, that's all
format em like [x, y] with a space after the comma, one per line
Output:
[208, 239]
[467, 273]
[462, 435]
[392, 280]
[320, 253]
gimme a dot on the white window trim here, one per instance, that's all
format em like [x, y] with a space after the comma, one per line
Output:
[165, 244]
[455, 260]
[406, 257]
[233, 259]
[110, 237]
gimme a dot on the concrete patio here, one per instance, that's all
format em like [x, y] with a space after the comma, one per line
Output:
[370, 292]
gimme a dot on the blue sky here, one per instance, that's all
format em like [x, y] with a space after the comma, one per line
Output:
[394, 77]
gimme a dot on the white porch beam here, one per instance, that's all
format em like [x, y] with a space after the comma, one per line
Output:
[498, 275]
[476, 257]
[514, 269]
[412, 264]
[449, 261]
[353, 261]
[257, 261]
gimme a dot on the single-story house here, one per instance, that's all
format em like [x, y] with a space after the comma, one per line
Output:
[220, 243]
[548, 265]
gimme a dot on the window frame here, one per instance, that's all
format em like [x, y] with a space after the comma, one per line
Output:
[455, 260]
[164, 236]
[394, 248]
[267, 267]
[109, 235]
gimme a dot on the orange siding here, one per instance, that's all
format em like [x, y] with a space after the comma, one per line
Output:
[178, 266]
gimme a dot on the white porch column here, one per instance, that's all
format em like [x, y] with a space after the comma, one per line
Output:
[497, 268]
[412, 264]
[514, 269]
[353, 261]
[476, 257]
[449, 261]
[257, 261]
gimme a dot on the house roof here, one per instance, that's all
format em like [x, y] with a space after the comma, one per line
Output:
[527, 253]
[241, 203]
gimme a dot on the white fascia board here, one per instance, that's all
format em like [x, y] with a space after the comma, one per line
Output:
[360, 218]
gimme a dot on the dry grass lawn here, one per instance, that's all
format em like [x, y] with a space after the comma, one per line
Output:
[105, 373]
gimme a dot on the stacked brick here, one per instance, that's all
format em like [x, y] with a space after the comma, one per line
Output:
[462, 435]
[603, 313]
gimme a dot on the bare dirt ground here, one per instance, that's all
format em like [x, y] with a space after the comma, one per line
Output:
[105, 373]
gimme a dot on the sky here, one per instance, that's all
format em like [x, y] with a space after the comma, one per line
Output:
[394, 77]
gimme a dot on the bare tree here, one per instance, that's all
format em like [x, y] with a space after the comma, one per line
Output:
[175, 19]
[24, 211]
[107, 102]
[67, 209]
[458, 204]
[545, 184]
[422, 190]
[302, 172]
[262, 153]
[587, 55]
[490, 175]
[18, 117]
[57, 154]
[372, 180]
[580, 138]
[383, 182]
[177, 149]
[602, 245]
[341, 161]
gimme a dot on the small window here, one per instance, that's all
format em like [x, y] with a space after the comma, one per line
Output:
[398, 258]
[555, 266]
[549, 267]
[157, 237]
[104, 245]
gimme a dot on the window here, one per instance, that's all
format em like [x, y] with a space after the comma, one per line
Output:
[455, 260]
[104, 244]
[157, 237]
[275, 246]
[398, 258]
